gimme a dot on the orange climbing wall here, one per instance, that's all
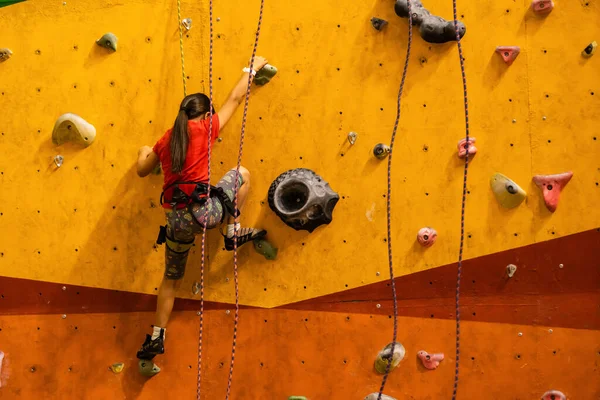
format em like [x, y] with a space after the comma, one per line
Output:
[93, 222]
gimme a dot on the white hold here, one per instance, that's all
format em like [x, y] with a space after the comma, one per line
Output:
[510, 270]
[378, 306]
[187, 24]
[561, 266]
[550, 331]
[375, 396]
[64, 316]
[64, 288]
[520, 334]
[227, 312]
[198, 313]
[370, 213]
[58, 160]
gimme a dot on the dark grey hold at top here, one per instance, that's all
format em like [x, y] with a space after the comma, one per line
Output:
[433, 29]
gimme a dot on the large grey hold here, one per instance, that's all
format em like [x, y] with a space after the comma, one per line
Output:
[433, 29]
[302, 199]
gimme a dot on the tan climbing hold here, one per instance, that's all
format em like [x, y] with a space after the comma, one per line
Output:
[5, 54]
[72, 128]
[375, 396]
[383, 358]
[117, 367]
[507, 192]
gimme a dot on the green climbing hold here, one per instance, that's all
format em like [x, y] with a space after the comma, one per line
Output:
[72, 128]
[265, 75]
[108, 41]
[6, 3]
[148, 368]
[265, 248]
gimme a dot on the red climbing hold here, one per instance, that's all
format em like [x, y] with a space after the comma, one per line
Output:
[462, 147]
[508, 53]
[554, 395]
[430, 361]
[542, 6]
[551, 186]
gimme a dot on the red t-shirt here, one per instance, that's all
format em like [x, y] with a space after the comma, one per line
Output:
[195, 168]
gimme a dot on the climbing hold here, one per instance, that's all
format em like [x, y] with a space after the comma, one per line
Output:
[297, 398]
[5, 3]
[265, 248]
[430, 361]
[542, 6]
[117, 368]
[427, 236]
[508, 53]
[433, 29]
[381, 362]
[378, 23]
[551, 186]
[352, 136]
[148, 368]
[187, 24]
[157, 170]
[375, 396]
[265, 74]
[381, 151]
[108, 41]
[462, 147]
[71, 127]
[5, 54]
[589, 50]
[510, 270]
[196, 288]
[507, 192]
[58, 160]
[554, 395]
[302, 199]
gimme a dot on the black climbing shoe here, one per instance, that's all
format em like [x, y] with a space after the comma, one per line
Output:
[245, 235]
[151, 348]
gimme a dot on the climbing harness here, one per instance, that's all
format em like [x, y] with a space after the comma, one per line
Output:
[464, 198]
[389, 201]
[237, 173]
[178, 196]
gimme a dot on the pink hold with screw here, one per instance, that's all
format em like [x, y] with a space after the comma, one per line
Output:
[542, 6]
[554, 395]
[427, 236]
[462, 147]
[551, 186]
[430, 361]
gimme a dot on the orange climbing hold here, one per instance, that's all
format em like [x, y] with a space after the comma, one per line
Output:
[542, 6]
[551, 186]
[508, 53]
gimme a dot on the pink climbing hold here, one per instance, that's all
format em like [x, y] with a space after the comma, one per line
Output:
[542, 6]
[554, 395]
[430, 361]
[462, 147]
[427, 236]
[508, 53]
[551, 186]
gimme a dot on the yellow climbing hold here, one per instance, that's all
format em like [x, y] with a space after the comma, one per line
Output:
[117, 368]
[507, 192]
[72, 128]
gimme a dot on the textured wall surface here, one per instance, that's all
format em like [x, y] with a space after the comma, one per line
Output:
[93, 222]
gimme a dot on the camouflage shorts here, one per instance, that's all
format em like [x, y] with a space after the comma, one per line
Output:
[183, 225]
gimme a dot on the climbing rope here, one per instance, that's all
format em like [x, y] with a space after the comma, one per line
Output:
[237, 173]
[389, 202]
[203, 262]
[181, 47]
[464, 200]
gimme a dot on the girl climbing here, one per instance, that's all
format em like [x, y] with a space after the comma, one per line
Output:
[183, 154]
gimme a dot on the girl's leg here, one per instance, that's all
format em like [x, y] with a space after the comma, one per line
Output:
[165, 301]
[242, 193]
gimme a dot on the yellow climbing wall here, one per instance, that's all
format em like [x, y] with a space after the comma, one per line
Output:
[94, 222]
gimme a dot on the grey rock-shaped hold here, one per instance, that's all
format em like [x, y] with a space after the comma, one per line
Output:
[72, 128]
[108, 41]
[148, 368]
[265, 75]
[378, 23]
[302, 199]
[433, 29]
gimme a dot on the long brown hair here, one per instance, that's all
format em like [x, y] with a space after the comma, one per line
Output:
[192, 106]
